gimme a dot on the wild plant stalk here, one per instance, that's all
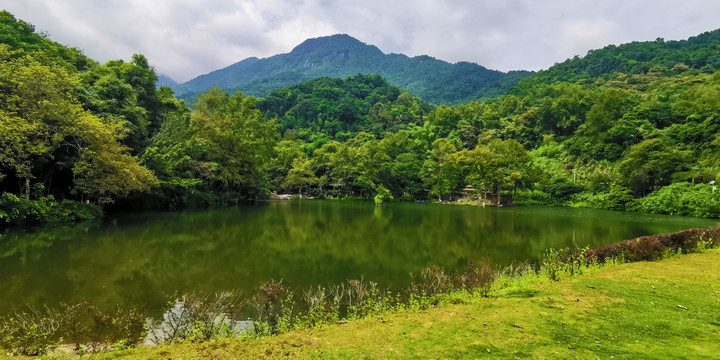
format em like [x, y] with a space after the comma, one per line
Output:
[31, 333]
[197, 317]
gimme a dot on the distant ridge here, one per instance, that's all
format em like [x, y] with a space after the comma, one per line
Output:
[164, 80]
[339, 56]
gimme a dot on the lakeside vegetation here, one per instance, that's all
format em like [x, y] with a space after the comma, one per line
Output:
[133, 258]
[628, 311]
[200, 317]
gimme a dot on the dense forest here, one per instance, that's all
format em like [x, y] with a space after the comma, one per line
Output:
[629, 127]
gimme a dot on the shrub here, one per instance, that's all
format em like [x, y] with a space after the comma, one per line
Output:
[358, 291]
[323, 305]
[16, 210]
[93, 330]
[434, 280]
[269, 301]
[198, 317]
[561, 191]
[653, 247]
[532, 197]
[383, 195]
[366, 299]
[556, 264]
[552, 264]
[476, 277]
[430, 281]
[617, 198]
[682, 199]
[352, 198]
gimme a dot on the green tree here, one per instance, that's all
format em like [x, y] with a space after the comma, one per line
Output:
[441, 169]
[300, 175]
[382, 195]
[478, 166]
[512, 166]
[20, 35]
[43, 128]
[235, 136]
[371, 156]
[343, 162]
[651, 164]
[610, 106]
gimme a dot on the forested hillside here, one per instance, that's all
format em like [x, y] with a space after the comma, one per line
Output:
[639, 135]
[339, 56]
[338, 108]
[698, 52]
[603, 139]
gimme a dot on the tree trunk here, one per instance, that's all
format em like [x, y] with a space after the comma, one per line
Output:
[27, 188]
[48, 180]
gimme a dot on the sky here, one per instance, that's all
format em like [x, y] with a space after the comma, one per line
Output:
[186, 38]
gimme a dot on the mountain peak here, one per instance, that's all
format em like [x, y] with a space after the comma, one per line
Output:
[341, 55]
[333, 43]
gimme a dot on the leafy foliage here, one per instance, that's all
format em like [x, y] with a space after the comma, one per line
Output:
[30, 333]
[233, 134]
[21, 211]
[698, 52]
[327, 108]
[383, 195]
[44, 129]
[20, 35]
[685, 199]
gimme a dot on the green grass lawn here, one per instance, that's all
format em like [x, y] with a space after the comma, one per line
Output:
[668, 309]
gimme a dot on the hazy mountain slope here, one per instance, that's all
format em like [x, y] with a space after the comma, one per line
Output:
[164, 80]
[339, 56]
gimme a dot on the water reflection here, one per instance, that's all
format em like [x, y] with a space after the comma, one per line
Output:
[139, 258]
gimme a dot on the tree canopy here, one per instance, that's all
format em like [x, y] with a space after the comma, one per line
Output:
[622, 122]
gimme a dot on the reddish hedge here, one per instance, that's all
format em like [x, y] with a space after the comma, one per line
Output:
[653, 246]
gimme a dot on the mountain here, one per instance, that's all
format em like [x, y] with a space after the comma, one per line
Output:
[164, 80]
[339, 56]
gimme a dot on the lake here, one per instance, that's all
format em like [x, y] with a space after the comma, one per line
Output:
[139, 259]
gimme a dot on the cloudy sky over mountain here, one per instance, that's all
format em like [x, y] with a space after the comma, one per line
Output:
[186, 38]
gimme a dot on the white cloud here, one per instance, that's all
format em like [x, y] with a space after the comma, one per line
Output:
[577, 36]
[185, 38]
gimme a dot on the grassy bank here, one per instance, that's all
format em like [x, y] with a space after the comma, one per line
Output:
[663, 309]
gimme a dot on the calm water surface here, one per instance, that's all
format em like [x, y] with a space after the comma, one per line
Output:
[139, 258]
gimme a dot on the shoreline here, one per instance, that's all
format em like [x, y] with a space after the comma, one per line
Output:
[556, 267]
